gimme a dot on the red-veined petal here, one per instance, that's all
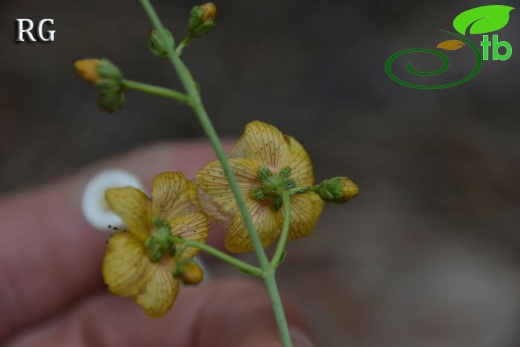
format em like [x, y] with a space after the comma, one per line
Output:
[263, 143]
[267, 223]
[173, 195]
[193, 226]
[305, 212]
[300, 163]
[133, 206]
[157, 296]
[125, 264]
[215, 194]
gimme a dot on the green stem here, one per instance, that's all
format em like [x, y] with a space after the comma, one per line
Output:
[267, 271]
[301, 190]
[280, 247]
[183, 44]
[250, 269]
[192, 91]
[276, 303]
[160, 91]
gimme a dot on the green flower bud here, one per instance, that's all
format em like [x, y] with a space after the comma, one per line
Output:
[202, 19]
[93, 71]
[192, 273]
[107, 69]
[107, 79]
[338, 190]
[110, 102]
[156, 45]
[107, 85]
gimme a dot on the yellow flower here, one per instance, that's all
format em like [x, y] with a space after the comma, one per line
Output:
[136, 264]
[264, 162]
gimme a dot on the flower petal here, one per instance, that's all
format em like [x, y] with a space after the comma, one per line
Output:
[173, 195]
[193, 226]
[125, 264]
[215, 194]
[266, 220]
[160, 291]
[300, 163]
[305, 212]
[263, 143]
[133, 206]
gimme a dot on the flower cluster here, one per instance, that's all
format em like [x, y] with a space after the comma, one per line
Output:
[148, 260]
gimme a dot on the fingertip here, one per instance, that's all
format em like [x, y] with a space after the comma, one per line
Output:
[238, 313]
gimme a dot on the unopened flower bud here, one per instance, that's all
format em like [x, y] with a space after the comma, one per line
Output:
[110, 102]
[202, 19]
[107, 79]
[338, 190]
[87, 70]
[96, 70]
[157, 46]
[192, 274]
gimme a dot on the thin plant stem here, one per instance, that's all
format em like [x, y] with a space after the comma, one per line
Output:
[268, 272]
[276, 304]
[160, 91]
[280, 247]
[183, 44]
[192, 91]
[303, 189]
[250, 269]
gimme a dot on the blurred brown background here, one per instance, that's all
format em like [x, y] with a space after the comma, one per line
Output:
[427, 255]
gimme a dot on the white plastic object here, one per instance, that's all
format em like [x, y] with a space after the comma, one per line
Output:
[95, 208]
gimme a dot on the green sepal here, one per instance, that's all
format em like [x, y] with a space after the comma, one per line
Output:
[107, 69]
[277, 202]
[108, 85]
[257, 194]
[264, 173]
[156, 255]
[110, 102]
[290, 184]
[157, 46]
[203, 29]
[285, 172]
[150, 242]
[195, 18]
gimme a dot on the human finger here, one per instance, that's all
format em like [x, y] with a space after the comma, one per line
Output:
[49, 255]
[224, 313]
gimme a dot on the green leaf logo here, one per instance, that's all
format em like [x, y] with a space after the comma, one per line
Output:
[482, 20]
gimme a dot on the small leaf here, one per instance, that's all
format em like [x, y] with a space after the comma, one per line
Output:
[483, 19]
[451, 45]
